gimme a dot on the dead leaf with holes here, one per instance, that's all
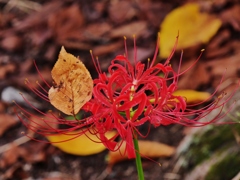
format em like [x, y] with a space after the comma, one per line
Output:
[72, 84]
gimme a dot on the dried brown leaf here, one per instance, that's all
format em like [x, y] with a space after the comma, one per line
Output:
[153, 12]
[231, 16]
[5, 18]
[40, 36]
[108, 48]
[12, 42]
[72, 84]
[121, 11]
[215, 48]
[135, 28]
[194, 77]
[9, 173]
[5, 69]
[67, 23]
[39, 18]
[6, 121]
[227, 66]
[96, 31]
[33, 152]
[26, 65]
[9, 157]
[68, 43]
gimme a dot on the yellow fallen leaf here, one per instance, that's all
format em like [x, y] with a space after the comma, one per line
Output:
[149, 149]
[81, 145]
[72, 84]
[194, 27]
[192, 96]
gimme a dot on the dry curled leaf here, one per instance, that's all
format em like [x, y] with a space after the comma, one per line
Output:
[72, 84]
[83, 145]
[193, 26]
[148, 149]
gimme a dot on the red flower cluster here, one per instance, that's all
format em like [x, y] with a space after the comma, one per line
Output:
[132, 95]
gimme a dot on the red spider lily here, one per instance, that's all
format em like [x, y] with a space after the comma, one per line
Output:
[130, 96]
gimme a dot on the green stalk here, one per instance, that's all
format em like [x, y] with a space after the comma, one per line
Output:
[138, 160]
[136, 147]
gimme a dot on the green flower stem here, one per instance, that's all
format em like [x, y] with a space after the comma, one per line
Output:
[138, 160]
